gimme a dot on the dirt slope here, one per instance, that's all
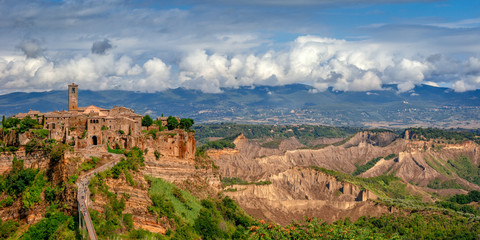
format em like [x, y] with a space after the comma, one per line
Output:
[296, 190]
[300, 192]
[249, 161]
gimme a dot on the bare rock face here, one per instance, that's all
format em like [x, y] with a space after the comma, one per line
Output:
[252, 162]
[175, 144]
[422, 162]
[296, 192]
[36, 159]
[300, 192]
[10, 138]
[381, 139]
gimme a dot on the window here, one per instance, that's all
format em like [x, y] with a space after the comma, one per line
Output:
[73, 90]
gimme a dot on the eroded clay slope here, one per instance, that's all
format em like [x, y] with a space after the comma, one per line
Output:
[300, 192]
[423, 162]
[249, 161]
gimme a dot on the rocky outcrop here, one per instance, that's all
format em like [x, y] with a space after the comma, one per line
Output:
[300, 192]
[295, 193]
[252, 162]
[423, 161]
[413, 162]
[35, 159]
[175, 144]
[381, 139]
[181, 171]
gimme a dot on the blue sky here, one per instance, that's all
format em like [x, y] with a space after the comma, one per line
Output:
[208, 45]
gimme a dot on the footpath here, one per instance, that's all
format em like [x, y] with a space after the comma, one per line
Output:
[83, 198]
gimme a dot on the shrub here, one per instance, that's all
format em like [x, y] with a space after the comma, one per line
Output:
[128, 221]
[272, 144]
[27, 123]
[390, 156]
[84, 134]
[163, 206]
[10, 122]
[33, 145]
[178, 194]
[153, 133]
[8, 228]
[8, 201]
[437, 183]
[157, 154]
[474, 195]
[217, 144]
[72, 179]
[207, 224]
[46, 228]
[226, 181]
[33, 193]
[40, 133]
[19, 179]
[366, 166]
[87, 166]
[116, 151]
[51, 193]
[57, 152]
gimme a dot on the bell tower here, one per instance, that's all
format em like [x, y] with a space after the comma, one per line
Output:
[72, 97]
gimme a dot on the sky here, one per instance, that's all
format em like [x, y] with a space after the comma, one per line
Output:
[151, 46]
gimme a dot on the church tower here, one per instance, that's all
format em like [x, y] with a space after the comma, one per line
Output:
[72, 97]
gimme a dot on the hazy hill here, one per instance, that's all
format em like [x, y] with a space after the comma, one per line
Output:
[296, 103]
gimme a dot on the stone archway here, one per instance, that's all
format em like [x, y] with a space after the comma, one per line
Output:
[94, 140]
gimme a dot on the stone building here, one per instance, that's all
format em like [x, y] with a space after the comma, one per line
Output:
[92, 125]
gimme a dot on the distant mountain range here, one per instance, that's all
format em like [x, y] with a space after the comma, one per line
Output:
[290, 104]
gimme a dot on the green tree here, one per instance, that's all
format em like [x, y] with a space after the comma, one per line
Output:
[147, 121]
[3, 120]
[186, 123]
[208, 220]
[11, 122]
[28, 123]
[474, 195]
[172, 123]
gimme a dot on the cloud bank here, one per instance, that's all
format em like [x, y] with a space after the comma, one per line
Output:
[320, 62]
[209, 47]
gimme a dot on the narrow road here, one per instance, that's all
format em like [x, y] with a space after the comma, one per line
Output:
[83, 196]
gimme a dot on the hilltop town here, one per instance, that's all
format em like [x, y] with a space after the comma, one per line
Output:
[84, 127]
